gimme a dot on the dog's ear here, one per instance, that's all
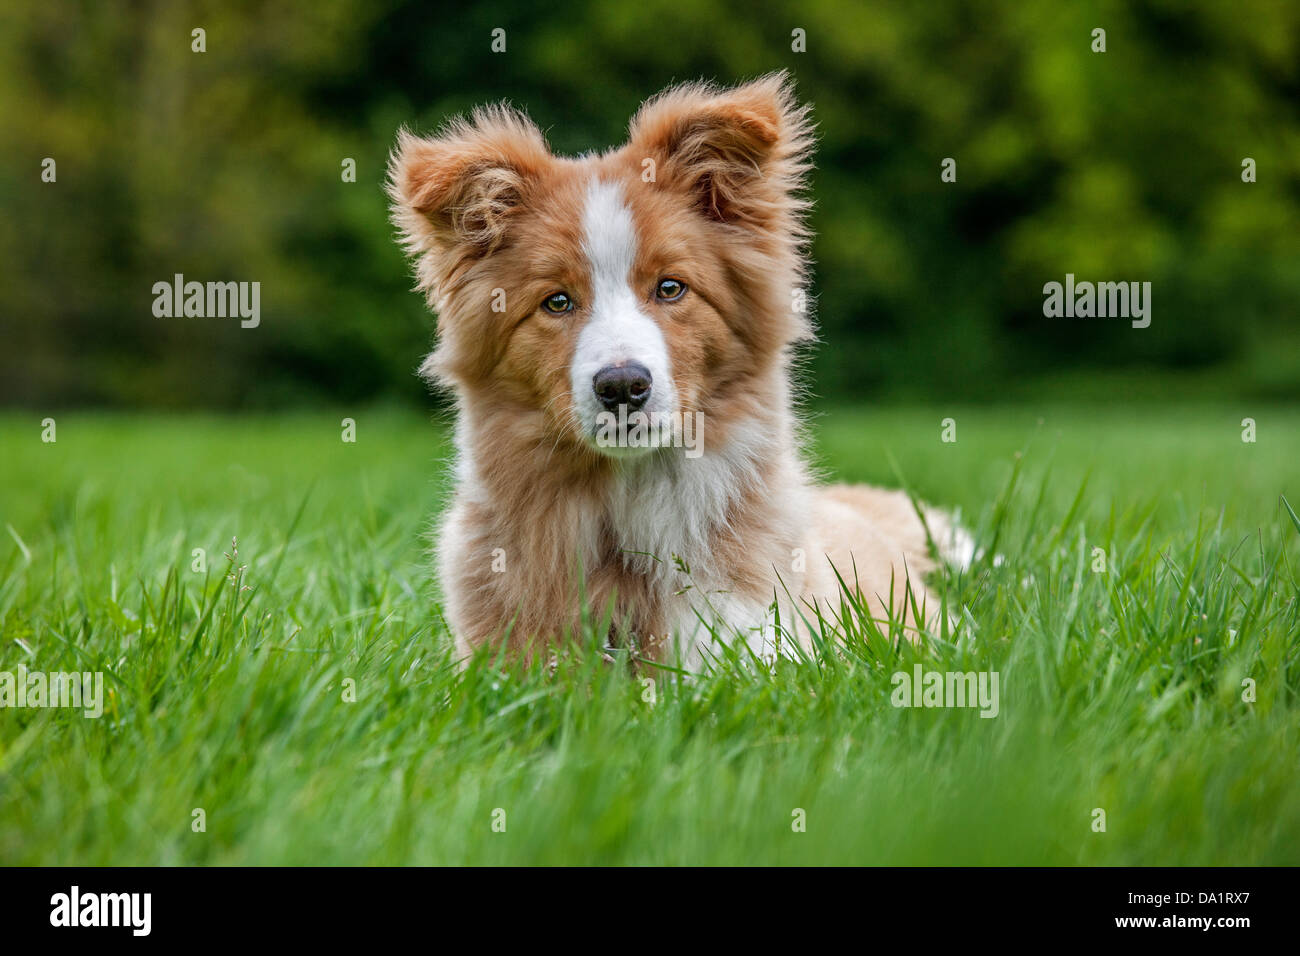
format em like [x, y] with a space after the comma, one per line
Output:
[457, 191]
[742, 152]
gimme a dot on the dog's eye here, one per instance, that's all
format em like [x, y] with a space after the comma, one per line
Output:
[557, 303]
[670, 290]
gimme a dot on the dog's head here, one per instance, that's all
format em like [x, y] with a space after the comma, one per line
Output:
[659, 278]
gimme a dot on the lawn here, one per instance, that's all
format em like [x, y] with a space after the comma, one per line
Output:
[302, 696]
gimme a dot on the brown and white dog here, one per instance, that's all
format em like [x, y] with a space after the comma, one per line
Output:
[579, 299]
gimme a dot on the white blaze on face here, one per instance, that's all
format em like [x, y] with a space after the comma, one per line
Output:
[618, 331]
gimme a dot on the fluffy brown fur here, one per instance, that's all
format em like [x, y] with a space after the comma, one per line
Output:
[544, 528]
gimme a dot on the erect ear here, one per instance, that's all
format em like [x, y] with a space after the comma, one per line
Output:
[458, 190]
[742, 152]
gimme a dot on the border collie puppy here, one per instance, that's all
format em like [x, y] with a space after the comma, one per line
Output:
[618, 332]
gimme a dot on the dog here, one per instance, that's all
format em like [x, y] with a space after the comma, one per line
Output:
[618, 332]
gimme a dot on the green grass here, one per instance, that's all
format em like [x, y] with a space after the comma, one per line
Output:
[1119, 690]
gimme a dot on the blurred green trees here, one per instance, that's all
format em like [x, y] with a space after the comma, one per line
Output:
[226, 165]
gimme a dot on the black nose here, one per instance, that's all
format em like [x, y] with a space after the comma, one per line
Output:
[617, 385]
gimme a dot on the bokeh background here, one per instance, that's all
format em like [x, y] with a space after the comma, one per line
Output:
[225, 165]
